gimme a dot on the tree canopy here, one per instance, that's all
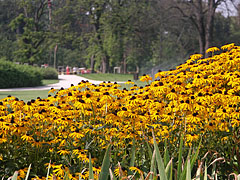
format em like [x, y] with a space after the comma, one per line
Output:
[102, 34]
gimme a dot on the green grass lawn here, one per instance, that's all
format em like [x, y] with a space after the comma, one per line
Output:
[28, 95]
[25, 95]
[49, 81]
[113, 78]
[108, 77]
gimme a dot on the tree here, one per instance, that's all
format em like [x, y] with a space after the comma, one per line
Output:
[201, 13]
[29, 27]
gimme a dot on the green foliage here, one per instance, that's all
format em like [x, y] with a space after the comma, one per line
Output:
[13, 75]
[100, 35]
[49, 73]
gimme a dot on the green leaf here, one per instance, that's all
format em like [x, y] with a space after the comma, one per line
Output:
[66, 176]
[133, 154]
[29, 168]
[105, 165]
[166, 159]
[166, 156]
[152, 168]
[112, 176]
[188, 177]
[159, 159]
[205, 172]
[91, 176]
[198, 174]
[168, 168]
[149, 149]
[183, 173]
[15, 175]
[193, 160]
[49, 165]
[179, 167]
[171, 172]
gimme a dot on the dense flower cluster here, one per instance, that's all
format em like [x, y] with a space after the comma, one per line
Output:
[199, 97]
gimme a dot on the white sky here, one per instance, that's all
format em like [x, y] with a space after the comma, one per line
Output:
[229, 5]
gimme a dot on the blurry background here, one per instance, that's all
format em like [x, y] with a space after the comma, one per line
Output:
[125, 35]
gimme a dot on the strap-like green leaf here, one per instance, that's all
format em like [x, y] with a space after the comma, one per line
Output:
[49, 166]
[152, 168]
[205, 172]
[159, 159]
[29, 168]
[166, 156]
[184, 172]
[91, 176]
[133, 153]
[195, 156]
[188, 177]
[179, 167]
[105, 165]
[15, 175]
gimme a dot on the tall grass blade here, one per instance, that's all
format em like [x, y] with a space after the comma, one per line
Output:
[105, 165]
[148, 176]
[195, 156]
[188, 177]
[179, 167]
[133, 153]
[166, 156]
[149, 150]
[198, 174]
[79, 177]
[66, 175]
[29, 168]
[168, 168]
[159, 159]
[112, 177]
[184, 171]
[15, 175]
[49, 165]
[91, 176]
[171, 172]
[205, 172]
[152, 168]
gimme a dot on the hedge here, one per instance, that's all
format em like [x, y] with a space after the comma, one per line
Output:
[14, 75]
[49, 73]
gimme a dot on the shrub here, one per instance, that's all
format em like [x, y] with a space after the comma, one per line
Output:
[49, 73]
[14, 75]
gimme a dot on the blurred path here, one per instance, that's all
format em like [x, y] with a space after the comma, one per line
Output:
[65, 81]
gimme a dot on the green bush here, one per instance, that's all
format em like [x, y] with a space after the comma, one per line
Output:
[49, 73]
[14, 75]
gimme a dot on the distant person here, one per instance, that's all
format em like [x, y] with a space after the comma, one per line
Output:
[74, 70]
[67, 70]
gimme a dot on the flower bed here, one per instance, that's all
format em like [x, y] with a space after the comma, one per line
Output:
[198, 99]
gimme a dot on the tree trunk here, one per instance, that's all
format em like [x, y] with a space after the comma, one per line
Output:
[92, 64]
[209, 24]
[105, 64]
[124, 64]
[200, 26]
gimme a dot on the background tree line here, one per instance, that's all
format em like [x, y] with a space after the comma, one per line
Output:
[102, 34]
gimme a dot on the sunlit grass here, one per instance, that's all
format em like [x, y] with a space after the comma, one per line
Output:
[108, 77]
[25, 95]
[49, 81]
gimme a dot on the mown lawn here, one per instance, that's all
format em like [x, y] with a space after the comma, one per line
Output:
[25, 95]
[49, 81]
[28, 95]
[108, 77]
[113, 78]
